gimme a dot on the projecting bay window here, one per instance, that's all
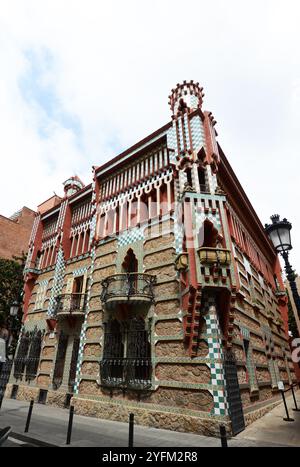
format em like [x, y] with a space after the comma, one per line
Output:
[126, 361]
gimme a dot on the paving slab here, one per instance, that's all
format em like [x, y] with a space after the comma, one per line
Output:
[49, 425]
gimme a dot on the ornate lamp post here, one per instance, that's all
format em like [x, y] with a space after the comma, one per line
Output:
[14, 308]
[14, 326]
[280, 235]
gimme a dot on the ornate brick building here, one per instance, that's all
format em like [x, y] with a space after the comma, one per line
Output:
[155, 289]
[15, 232]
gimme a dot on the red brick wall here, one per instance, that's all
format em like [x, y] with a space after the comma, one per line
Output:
[15, 234]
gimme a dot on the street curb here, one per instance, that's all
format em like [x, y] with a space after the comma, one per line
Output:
[35, 441]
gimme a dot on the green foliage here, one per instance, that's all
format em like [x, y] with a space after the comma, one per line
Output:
[11, 284]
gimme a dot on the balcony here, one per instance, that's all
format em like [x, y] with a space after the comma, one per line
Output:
[133, 288]
[215, 267]
[69, 305]
[32, 268]
[211, 256]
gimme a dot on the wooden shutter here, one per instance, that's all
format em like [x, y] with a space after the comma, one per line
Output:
[84, 291]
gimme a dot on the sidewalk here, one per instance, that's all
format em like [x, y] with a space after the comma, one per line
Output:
[272, 428]
[49, 424]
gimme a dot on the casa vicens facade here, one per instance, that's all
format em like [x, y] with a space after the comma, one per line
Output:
[155, 289]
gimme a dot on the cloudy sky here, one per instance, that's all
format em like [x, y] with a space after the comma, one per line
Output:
[82, 80]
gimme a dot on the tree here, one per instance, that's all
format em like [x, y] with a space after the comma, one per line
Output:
[11, 284]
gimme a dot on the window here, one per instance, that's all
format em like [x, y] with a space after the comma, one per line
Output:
[41, 295]
[202, 181]
[33, 359]
[126, 359]
[189, 177]
[208, 235]
[28, 355]
[250, 366]
[60, 360]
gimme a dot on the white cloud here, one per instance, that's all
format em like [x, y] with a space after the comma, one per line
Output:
[112, 67]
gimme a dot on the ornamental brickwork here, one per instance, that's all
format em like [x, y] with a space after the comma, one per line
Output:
[156, 288]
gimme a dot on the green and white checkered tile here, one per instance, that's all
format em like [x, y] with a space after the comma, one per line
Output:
[58, 282]
[178, 233]
[245, 332]
[83, 329]
[216, 354]
[172, 143]
[130, 236]
[80, 271]
[197, 133]
[93, 227]
[79, 360]
[186, 131]
[220, 403]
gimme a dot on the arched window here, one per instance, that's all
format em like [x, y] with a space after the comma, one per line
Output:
[208, 235]
[189, 177]
[130, 263]
[202, 181]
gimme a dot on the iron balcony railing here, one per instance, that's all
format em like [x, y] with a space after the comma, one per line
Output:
[71, 303]
[126, 373]
[32, 266]
[128, 286]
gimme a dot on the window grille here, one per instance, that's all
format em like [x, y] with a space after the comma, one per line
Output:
[60, 361]
[20, 360]
[126, 359]
[28, 355]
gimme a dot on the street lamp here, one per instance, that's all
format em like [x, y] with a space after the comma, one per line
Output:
[14, 308]
[280, 235]
[14, 326]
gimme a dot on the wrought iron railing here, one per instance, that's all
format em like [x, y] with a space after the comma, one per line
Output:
[33, 359]
[5, 370]
[33, 266]
[126, 361]
[71, 303]
[128, 285]
[28, 355]
[129, 373]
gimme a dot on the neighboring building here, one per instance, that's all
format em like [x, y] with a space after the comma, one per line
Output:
[297, 320]
[15, 232]
[155, 289]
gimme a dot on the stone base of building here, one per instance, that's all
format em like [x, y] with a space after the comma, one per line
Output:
[155, 417]
[255, 413]
[38, 394]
